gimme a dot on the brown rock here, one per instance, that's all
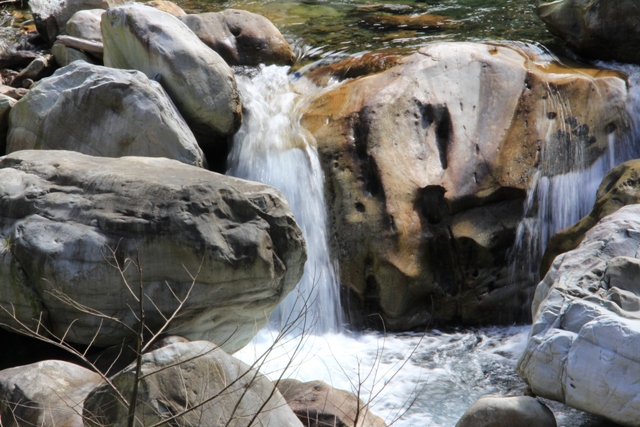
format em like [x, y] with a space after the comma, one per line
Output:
[363, 65]
[167, 6]
[507, 411]
[317, 404]
[427, 166]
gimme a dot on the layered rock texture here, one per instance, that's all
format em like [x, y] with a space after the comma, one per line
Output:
[197, 79]
[427, 166]
[230, 249]
[598, 29]
[582, 348]
[102, 112]
[198, 381]
[241, 37]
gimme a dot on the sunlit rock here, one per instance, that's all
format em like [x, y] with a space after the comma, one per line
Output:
[428, 165]
[85, 24]
[102, 112]
[507, 411]
[599, 29]
[48, 393]
[197, 383]
[51, 16]
[196, 78]
[68, 220]
[241, 37]
[583, 345]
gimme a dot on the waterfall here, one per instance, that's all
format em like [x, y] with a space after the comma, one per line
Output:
[560, 196]
[273, 148]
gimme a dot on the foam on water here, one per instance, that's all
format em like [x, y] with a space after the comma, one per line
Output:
[272, 147]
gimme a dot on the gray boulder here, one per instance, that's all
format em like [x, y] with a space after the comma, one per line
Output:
[85, 24]
[584, 345]
[65, 55]
[317, 404]
[507, 411]
[222, 391]
[102, 112]
[6, 103]
[241, 37]
[48, 393]
[51, 16]
[67, 220]
[196, 78]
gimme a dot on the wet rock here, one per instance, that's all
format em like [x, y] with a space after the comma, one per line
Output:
[507, 411]
[220, 389]
[51, 16]
[317, 404]
[196, 78]
[85, 24]
[102, 112]
[241, 37]
[598, 29]
[427, 166]
[68, 218]
[410, 22]
[620, 187]
[583, 345]
[49, 393]
[359, 66]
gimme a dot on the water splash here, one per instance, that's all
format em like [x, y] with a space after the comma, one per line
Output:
[561, 194]
[273, 148]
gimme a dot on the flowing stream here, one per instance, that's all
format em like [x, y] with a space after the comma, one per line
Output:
[407, 379]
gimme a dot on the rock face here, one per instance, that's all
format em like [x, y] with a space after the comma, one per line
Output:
[241, 37]
[599, 29]
[67, 218]
[197, 79]
[583, 345]
[317, 404]
[102, 112]
[620, 187]
[503, 411]
[427, 166]
[49, 393]
[223, 390]
[51, 16]
[85, 24]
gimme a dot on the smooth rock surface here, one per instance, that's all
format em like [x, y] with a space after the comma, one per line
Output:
[85, 24]
[507, 411]
[196, 78]
[241, 37]
[167, 6]
[51, 16]
[427, 166]
[583, 345]
[67, 218]
[317, 404]
[598, 29]
[48, 393]
[223, 390]
[65, 55]
[102, 111]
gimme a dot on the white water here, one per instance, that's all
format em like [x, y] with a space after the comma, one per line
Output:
[273, 148]
[443, 372]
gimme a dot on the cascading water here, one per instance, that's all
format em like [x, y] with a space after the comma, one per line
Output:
[560, 195]
[273, 148]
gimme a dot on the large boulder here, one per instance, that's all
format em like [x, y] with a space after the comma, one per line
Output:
[241, 37]
[192, 383]
[583, 347]
[507, 411]
[85, 24]
[196, 78]
[102, 112]
[598, 29]
[427, 167]
[317, 404]
[51, 16]
[228, 248]
[620, 187]
[48, 393]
